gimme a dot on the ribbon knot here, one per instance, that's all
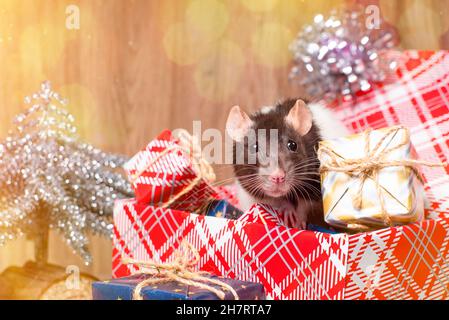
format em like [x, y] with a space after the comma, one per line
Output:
[369, 165]
[180, 270]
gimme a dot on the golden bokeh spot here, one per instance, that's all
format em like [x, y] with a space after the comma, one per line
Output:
[269, 44]
[226, 63]
[20, 83]
[210, 17]
[260, 5]
[6, 25]
[31, 51]
[41, 46]
[30, 74]
[295, 14]
[83, 106]
[170, 12]
[185, 45]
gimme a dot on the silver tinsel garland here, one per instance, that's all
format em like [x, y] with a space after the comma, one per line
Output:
[45, 169]
[341, 55]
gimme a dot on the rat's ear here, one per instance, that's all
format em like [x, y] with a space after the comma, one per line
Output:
[238, 124]
[300, 117]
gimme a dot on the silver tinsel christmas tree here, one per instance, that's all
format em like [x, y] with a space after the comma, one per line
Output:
[49, 179]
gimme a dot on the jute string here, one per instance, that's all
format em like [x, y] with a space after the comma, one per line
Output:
[201, 167]
[370, 165]
[180, 270]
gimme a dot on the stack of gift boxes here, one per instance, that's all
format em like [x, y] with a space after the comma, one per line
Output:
[396, 239]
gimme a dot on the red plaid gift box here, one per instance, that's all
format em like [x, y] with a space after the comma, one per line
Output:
[291, 264]
[163, 171]
[406, 262]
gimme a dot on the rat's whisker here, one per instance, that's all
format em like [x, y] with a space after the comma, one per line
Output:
[300, 187]
[314, 190]
[301, 168]
[255, 189]
[233, 178]
[306, 178]
[219, 183]
[312, 158]
[305, 165]
[300, 174]
[311, 161]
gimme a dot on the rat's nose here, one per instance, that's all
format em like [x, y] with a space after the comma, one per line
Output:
[278, 176]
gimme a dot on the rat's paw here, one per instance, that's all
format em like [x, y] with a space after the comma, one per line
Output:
[302, 225]
[301, 222]
[298, 221]
[287, 211]
[292, 217]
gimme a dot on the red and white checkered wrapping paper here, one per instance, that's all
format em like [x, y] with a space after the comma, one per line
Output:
[290, 263]
[406, 262]
[156, 179]
[409, 262]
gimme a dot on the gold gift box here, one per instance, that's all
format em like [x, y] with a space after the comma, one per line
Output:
[389, 195]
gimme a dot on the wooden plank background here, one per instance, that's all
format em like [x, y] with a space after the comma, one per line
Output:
[136, 67]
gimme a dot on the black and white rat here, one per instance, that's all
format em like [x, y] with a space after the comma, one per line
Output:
[287, 179]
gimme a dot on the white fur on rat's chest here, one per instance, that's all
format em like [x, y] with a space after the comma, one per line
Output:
[330, 127]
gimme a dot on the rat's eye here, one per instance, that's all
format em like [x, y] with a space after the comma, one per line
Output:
[292, 146]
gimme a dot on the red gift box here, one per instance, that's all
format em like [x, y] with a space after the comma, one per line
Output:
[288, 262]
[404, 262]
[407, 262]
[162, 172]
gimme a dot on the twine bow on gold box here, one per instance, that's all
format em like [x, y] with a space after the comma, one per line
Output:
[181, 270]
[371, 180]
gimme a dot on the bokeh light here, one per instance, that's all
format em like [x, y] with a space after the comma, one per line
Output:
[269, 44]
[189, 40]
[185, 45]
[260, 5]
[82, 104]
[210, 18]
[42, 44]
[296, 13]
[227, 63]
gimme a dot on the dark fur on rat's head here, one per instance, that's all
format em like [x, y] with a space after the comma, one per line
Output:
[295, 173]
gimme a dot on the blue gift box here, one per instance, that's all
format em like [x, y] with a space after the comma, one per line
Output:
[123, 289]
[222, 209]
[312, 227]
